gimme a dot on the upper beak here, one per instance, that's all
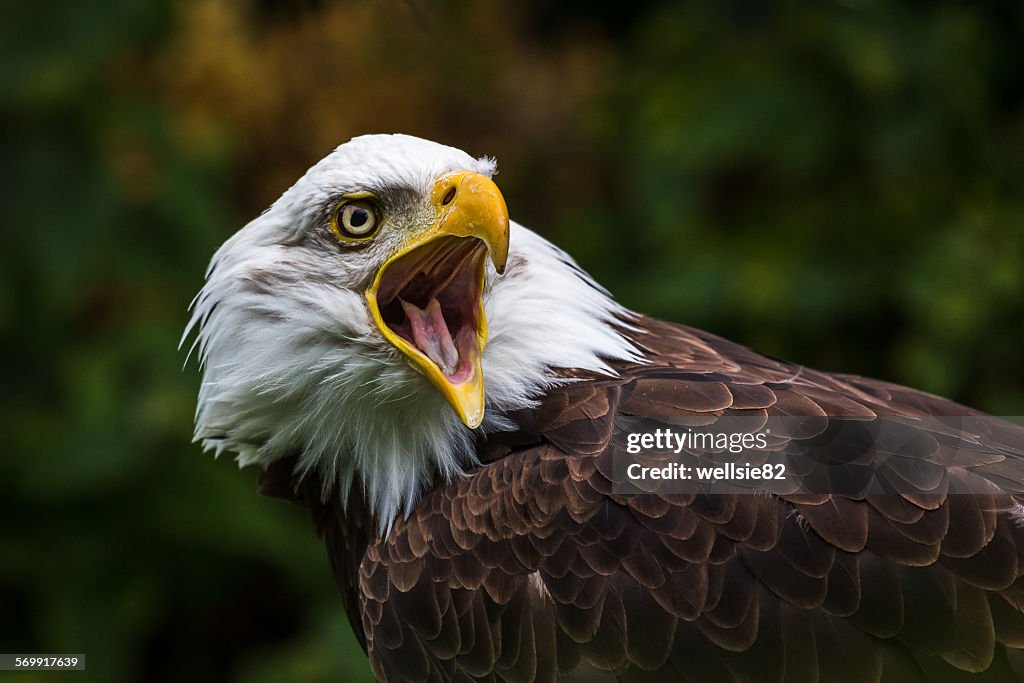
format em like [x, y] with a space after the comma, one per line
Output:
[470, 205]
[445, 271]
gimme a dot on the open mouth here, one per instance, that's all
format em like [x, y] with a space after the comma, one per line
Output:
[427, 299]
[430, 297]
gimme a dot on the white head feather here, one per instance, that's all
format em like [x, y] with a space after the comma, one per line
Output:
[292, 362]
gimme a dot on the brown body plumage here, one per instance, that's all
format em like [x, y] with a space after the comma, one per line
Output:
[533, 569]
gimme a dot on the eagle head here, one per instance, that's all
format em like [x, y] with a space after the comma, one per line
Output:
[381, 313]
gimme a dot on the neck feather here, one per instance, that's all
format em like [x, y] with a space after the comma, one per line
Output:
[358, 413]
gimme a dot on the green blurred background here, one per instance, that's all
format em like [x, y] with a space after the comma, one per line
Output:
[841, 184]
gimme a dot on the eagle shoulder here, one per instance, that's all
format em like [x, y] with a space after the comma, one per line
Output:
[534, 567]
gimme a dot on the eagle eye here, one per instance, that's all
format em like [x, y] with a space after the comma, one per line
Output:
[356, 219]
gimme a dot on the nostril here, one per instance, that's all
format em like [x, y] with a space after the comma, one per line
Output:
[449, 196]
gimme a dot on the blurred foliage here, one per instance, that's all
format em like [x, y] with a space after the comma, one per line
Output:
[836, 183]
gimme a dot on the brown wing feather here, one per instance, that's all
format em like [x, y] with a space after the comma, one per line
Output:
[533, 569]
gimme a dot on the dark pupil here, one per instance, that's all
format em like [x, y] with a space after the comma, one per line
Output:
[358, 217]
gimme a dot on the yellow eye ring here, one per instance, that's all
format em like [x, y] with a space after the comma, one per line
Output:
[356, 219]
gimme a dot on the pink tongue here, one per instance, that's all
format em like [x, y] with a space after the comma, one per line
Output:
[431, 335]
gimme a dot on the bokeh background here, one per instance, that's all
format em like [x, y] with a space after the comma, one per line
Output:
[838, 183]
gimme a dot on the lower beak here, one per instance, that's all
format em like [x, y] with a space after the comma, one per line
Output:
[427, 299]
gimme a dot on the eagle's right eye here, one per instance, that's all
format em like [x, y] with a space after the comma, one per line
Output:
[356, 219]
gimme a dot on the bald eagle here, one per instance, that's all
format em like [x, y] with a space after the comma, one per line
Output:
[447, 393]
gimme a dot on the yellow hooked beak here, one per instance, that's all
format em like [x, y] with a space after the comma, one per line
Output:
[427, 299]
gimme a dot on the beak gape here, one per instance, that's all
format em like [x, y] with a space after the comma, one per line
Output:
[427, 299]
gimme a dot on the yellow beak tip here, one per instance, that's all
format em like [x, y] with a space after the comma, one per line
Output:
[472, 421]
